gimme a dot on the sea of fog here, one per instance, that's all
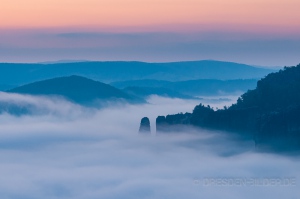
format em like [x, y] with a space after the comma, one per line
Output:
[63, 150]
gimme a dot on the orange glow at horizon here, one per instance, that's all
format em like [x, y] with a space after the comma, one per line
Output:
[152, 13]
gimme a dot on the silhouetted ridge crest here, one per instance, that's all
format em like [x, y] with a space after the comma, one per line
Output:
[268, 114]
[75, 88]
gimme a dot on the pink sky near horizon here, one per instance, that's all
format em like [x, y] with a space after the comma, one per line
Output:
[259, 32]
[258, 16]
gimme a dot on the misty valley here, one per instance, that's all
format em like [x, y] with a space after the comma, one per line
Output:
[149, 130]
[149, 99]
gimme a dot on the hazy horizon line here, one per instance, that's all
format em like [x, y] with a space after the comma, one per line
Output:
[68, 61]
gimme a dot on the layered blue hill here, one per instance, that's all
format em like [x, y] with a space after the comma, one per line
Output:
[19, 74]
[76, 89]
[201, 87]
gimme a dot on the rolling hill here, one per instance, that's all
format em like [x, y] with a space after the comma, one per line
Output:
[19, 74]
[76, 89]
[144, 92]
[194, 88]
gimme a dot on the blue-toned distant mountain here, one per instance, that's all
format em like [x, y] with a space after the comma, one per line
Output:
[76, 89]
[144, 92]
[19, 74]
[201, 87]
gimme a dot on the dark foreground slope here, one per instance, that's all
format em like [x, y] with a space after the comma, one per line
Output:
[269, 114]
[75, 88]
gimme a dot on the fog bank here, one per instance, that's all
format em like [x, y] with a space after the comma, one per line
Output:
[69, 151]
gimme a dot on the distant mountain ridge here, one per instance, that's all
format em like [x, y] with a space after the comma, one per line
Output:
[193, 87]
[76, 89]
[19, 74]
[144, 92]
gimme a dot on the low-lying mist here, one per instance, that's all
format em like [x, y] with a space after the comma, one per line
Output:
[63, 150]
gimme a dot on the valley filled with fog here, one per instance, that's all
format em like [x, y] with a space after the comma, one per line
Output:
[57, 149]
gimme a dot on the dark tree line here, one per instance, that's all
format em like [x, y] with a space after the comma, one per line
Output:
[270, 114]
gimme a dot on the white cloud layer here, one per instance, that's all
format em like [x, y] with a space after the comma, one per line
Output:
[68, 151]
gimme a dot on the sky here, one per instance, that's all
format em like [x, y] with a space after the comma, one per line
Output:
[61, 150]
[258, 32]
